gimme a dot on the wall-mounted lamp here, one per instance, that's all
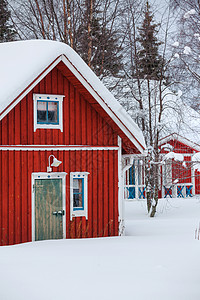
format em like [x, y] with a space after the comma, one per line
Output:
[55, 163]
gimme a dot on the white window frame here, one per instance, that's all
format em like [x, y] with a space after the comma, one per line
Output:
[83, 212]
[45, 175]
[48, 97]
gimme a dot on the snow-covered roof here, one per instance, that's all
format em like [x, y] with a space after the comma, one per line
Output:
[181, 139]
[23, 61]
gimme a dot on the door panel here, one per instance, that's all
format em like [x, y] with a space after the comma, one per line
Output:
[48, 200]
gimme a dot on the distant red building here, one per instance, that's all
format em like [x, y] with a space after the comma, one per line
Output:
[177, 178]
[55, 113]
[181, 179]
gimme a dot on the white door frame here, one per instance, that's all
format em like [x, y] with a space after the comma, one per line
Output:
[44, 175]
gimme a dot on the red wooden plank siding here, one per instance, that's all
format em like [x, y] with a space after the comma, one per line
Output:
[11, 183]
[1, 197]
[115, 168]
[72, 116]
[66, 113]
[89, 157]
[111, 194]
[30, 138]
[94, 194]
[100, 192]
[83, 121]
[29, 200]
[5, 208]
[77, 118]
[24, 195]
[54, 91]
[106, 192]
[0, 132]
[18, 206]
[89, 124]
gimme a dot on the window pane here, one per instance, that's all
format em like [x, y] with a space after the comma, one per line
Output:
[41, 111]
[78, 200]
[53, 112]
[78, 193]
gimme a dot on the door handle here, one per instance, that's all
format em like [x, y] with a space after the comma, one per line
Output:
[59, 212]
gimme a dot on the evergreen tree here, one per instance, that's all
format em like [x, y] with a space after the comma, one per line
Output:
[6, 31]
[98, 45]
[150, 63]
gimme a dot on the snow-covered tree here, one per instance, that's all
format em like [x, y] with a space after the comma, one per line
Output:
[6, 31]
[186, 47]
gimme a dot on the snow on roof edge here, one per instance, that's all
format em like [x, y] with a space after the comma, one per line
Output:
[181, 139]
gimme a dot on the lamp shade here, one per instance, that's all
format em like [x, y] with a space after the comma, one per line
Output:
[56, 162]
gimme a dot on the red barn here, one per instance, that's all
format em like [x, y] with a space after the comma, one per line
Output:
[62, 141]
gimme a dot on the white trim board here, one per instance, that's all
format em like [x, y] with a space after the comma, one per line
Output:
[55, 148]
[44, 175]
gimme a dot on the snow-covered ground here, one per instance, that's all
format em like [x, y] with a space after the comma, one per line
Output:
[157, 259]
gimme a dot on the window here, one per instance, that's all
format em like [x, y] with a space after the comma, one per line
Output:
[78, 194]
[48, 111]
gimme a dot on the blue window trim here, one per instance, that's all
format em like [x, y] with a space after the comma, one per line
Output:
[52, 123]
[80, 208]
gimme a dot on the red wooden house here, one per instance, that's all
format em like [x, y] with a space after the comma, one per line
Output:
[62, 141]
[179, 178]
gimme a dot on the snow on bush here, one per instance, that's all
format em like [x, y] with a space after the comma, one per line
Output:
[187, 50]
[176, 55]
[175, 44]
[167, 147]
[176, 181]
[175, 156]
[189, 13]
[196, 35]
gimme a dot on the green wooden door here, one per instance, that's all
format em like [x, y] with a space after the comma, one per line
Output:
[48, 209]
